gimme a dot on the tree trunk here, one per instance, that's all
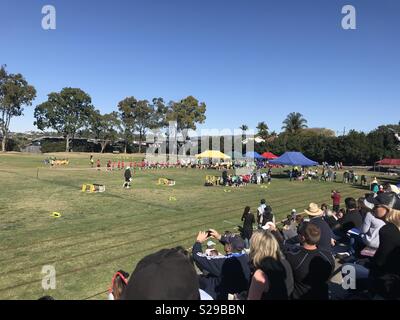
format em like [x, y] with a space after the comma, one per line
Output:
[126, 146]
[3, 143]
[103, 146]
[140, 142]
[67, 144]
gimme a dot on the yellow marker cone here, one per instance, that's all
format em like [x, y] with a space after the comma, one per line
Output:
[55, 215]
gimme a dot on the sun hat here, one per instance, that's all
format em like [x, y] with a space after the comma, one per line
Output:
[313, 210]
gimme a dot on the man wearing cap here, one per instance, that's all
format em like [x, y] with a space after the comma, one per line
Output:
[228, 274]
[316, 217]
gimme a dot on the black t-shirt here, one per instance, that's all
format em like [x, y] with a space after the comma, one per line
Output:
[350, 220]
[279, 277]
[127, 174]
[387, 258]
[331, 221]
[249, 220]
[326, 234]
[311, 271]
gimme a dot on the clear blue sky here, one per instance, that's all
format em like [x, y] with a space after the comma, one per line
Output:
[250, 61]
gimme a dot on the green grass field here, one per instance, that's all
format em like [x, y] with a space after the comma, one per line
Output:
[98, 234]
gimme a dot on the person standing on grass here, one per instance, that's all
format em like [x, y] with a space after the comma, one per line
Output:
[98, 164]
[260, 212]
[269, 175]
[247, 230]
[224, 177]
[91, 161]
[336, 197]
[128, 178]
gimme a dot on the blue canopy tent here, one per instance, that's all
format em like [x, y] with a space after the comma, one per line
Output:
[253, 155]
[294, 159]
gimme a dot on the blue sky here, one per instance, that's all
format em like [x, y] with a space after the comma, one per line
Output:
[249, 61]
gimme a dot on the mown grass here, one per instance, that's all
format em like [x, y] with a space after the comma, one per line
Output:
[98, 234]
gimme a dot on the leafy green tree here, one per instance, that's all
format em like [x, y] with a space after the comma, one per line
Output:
[104, 127]
[139, 116]
[66, 112]
[15, 94]
[125, 108]
[294, 123]
[187, 113]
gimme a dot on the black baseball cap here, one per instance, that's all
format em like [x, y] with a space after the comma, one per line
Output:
[235, 241]
[165, 275]
[386, 199]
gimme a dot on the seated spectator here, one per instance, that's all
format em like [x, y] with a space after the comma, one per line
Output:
[273, 278]
[333, 219]
[382, 274]
[326, 210]
[312, 266]
[351, 219]
[118, 284]
[229, 274]
[369, 232]
[326, 236]
[165, 275]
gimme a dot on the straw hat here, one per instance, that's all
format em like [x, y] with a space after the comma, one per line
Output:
[313, 210]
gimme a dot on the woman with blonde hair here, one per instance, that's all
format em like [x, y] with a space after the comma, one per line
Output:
[272, 278]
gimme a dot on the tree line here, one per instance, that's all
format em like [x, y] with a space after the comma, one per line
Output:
[71, 113]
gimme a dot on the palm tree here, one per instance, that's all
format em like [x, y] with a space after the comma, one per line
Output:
[294, 122]
[262, 128]
[244, 128]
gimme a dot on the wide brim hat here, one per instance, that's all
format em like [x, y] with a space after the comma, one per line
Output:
[313, 210]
